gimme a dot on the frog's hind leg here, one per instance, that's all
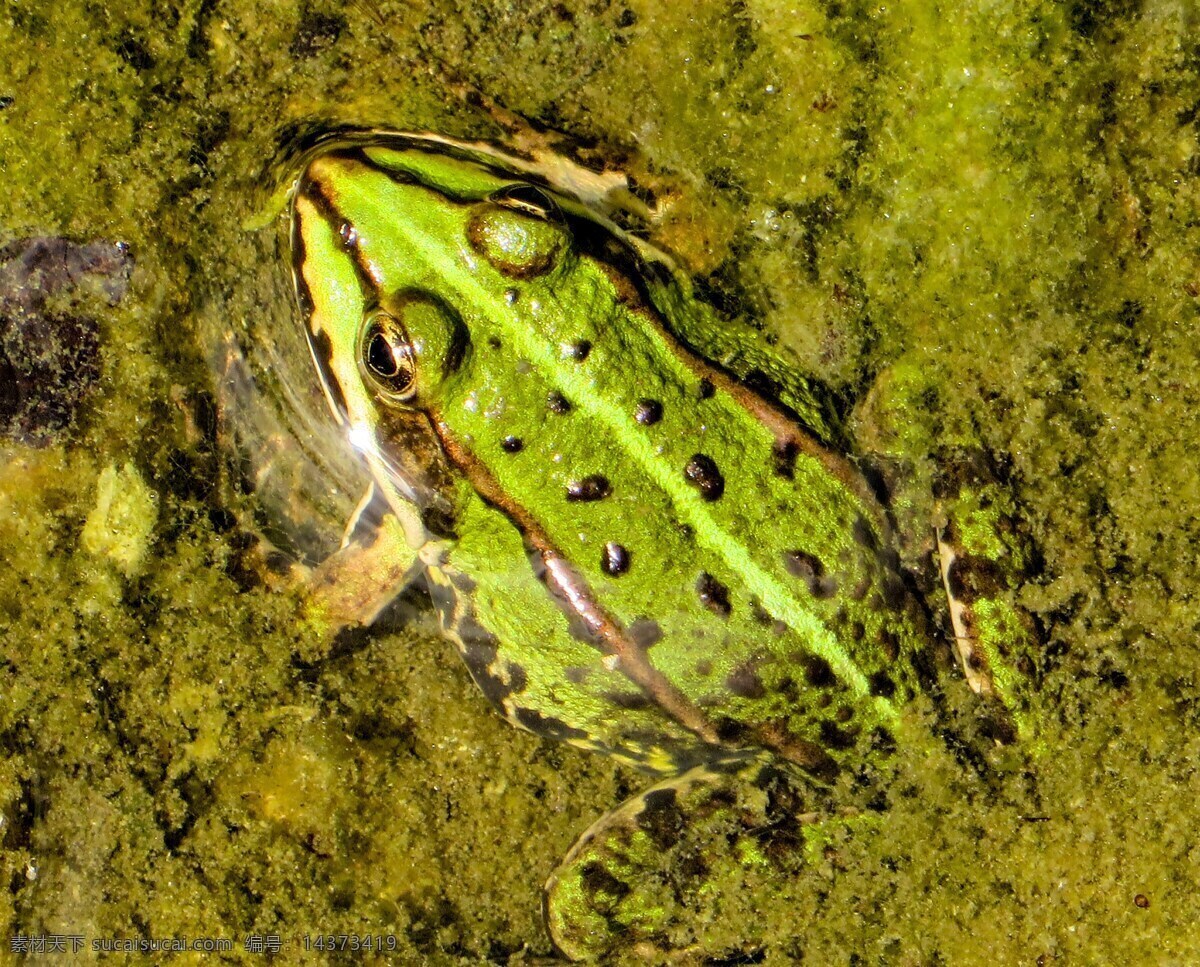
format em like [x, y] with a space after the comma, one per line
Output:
[645, 874]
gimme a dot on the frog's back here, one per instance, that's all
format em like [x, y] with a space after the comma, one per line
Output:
[715, 572]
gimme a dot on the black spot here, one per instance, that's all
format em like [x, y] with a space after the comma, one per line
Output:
[6, 101]
[713, 595]
[512, 444]
[547, 725]
[626, 18]
[578, 351]
[744, 682]
[598, 882]
[517, 679]
[784, 456]
[592, 487]
[883, 741]
[833, 737]
[494, 342]
[817, 671]
[730, 731]
[882, 685]
[706, 389]
[811, 571]
[971, 578]
[648, 412]
[661, 818]
[615, 559]
[645, 633]
[702, 473]
[557, 403]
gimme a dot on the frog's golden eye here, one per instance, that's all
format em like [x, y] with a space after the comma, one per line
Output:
[386, 356]
[527, 198]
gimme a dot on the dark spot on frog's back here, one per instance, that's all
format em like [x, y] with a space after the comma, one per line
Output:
[744, 682]
[817, 671]
[599, 882]
[971, 578]
[577, 351]
[592, 487]
[557, 403]
[648, 412]
[631, 701]
[713, 595]
[834, 737]
[810, 569]
[882, 685]
[615, 559]
[703, 473]
[645, 633]
[783, 456]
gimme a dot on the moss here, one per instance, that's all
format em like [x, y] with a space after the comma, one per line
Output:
[1000, 200]
[120, 524]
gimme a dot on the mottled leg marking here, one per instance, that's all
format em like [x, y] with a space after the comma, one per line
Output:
[643, 874]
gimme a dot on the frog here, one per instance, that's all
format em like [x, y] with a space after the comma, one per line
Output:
[644, 531]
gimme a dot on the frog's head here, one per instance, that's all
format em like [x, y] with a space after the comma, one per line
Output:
[405, 260]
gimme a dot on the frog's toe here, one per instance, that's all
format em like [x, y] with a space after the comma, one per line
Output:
[643, 876]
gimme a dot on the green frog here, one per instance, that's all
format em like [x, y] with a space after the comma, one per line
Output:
[636, 522]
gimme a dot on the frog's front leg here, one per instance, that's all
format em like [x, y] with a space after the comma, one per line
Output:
[641, 874]
[352, 586]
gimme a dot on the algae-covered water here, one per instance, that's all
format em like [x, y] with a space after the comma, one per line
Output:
[998, 202]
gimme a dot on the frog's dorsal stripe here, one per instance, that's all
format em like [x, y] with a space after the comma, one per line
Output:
[568, 585]
[571, 585]
[776, 597]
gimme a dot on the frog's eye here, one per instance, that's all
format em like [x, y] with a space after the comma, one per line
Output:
[387, 358]
[527, 198]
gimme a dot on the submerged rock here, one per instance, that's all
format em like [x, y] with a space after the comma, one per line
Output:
[49, 343]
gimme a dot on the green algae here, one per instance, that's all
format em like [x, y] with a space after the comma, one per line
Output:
[998, 202]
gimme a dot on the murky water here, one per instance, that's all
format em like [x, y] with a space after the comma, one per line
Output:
[1004, 201]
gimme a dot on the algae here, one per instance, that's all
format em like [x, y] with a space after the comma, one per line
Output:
[1001, 201]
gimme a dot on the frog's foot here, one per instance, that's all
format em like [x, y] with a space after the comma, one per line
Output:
[983, 558]
[643, 876]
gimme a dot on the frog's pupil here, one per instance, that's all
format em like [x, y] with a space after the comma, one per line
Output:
[380, 357]
[388, 362]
